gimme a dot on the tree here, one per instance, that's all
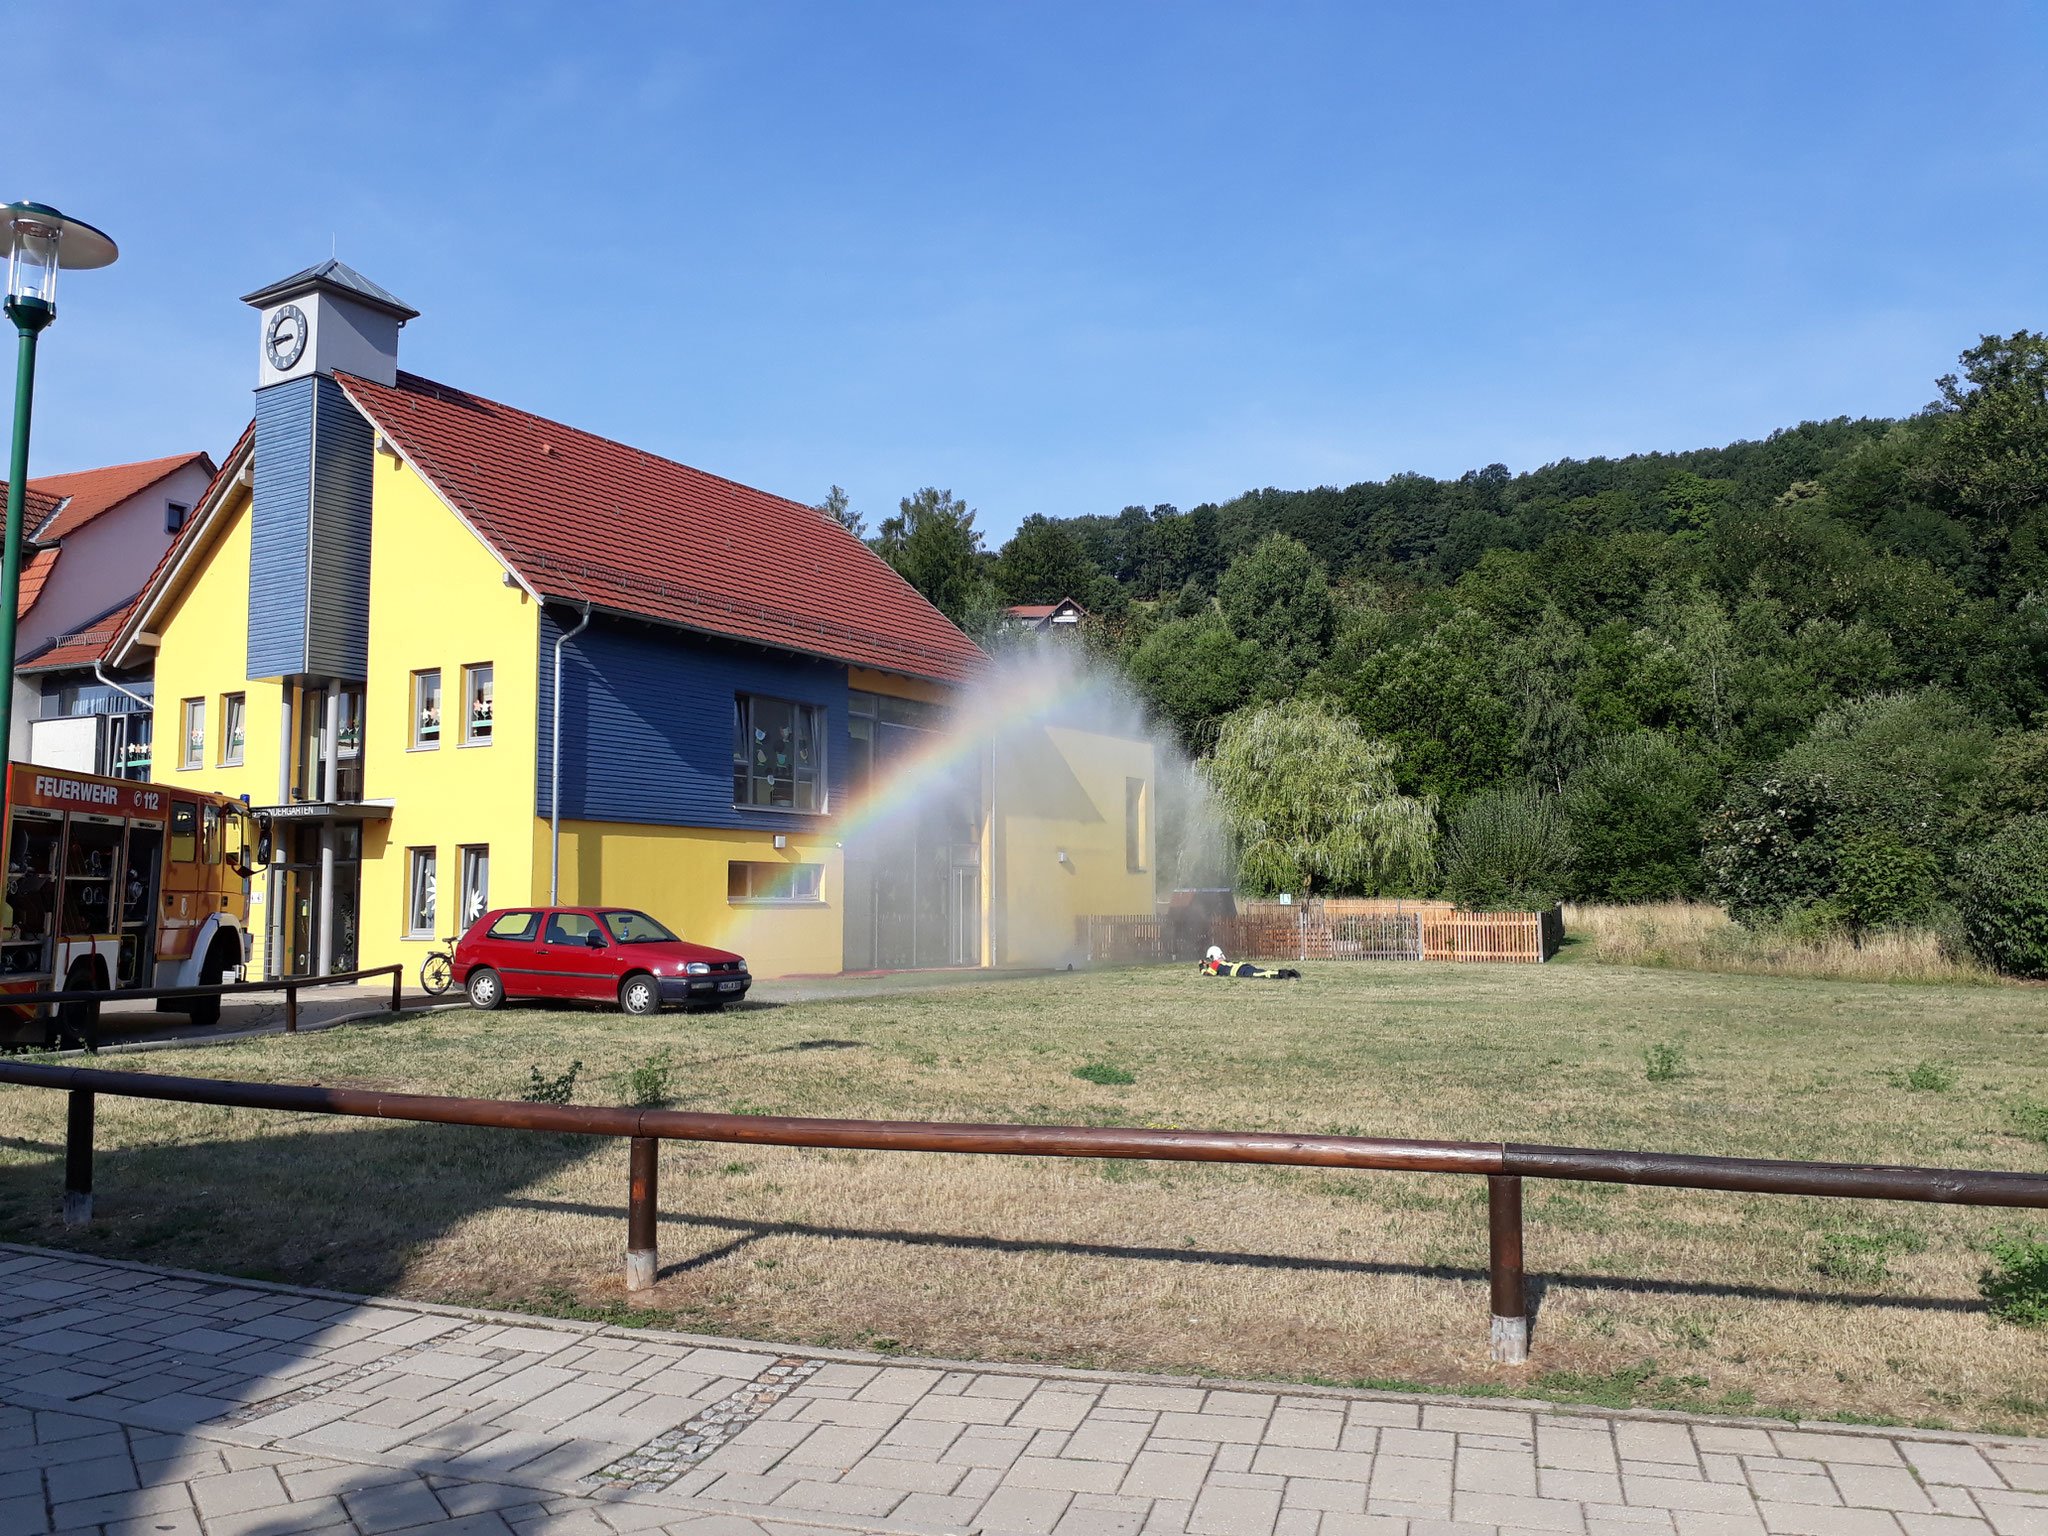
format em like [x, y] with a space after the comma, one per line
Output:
[1044, 562]
[839, 507]
[1508, 850]
[1193, 672]
[933, 545]
[1634, 812]
[1278, 597]
[1311, 802]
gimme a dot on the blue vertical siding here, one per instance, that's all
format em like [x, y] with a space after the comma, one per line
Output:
[280, 522]
[338, 564]
[647, 724]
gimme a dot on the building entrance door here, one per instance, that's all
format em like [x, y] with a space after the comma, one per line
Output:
[298, 899]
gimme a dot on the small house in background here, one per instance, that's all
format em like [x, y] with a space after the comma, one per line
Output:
[1047, 618]
[90, 540]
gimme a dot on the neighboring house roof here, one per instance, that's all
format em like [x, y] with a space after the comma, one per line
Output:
[36, 506]
[1040, 615]
[188, 538]
[83, 648]
[33, 576]
[581, 518]
[80, 497]
[337, 277]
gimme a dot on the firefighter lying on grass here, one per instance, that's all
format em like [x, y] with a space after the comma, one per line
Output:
[1216, 965]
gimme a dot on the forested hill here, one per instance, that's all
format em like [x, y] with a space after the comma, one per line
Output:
[1413, 526]
[1802, 673]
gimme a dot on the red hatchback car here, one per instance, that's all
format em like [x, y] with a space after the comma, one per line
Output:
[601, 954]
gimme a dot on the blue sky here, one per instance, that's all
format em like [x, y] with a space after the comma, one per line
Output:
[1057, 258]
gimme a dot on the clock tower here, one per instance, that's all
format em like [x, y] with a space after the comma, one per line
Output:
[326, 318]
[309, 525]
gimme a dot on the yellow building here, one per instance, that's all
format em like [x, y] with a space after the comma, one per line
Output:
[466, 657]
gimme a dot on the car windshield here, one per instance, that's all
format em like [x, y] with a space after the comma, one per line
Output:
[637, 928]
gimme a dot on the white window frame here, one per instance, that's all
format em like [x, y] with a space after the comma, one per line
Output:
[421, 862]
[419, 740]
[474, 860]
[470, 672]
[192, 752]
[234, 724]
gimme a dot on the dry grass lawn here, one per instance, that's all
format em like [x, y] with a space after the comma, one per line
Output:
[1694, 936]
[1748, 1303]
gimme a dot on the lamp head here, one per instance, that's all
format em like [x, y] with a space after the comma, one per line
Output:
[40, 240]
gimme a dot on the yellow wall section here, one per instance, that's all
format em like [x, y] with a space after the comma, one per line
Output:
[678, 875]
[205, 654]
[1060, 788]
[438, 599]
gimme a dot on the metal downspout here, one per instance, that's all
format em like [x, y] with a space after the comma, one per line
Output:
[555, 767]
[330, 722]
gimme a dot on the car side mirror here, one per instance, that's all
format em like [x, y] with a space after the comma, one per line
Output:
[593, 940]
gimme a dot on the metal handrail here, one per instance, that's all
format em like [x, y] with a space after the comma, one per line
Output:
[1504, 1164]
[289, 985]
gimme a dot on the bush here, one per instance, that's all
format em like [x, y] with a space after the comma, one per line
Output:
[648, 1084]
[1634, 814]
[2016, 1282]
[542, 1090]
[1766, 851]
[2004, 897]
[1508, 850]
[1663, 1062]
[1880, 883]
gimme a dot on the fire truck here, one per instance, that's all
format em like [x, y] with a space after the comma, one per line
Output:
[113, 883]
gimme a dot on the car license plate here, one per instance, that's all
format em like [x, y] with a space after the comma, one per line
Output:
[730, 986]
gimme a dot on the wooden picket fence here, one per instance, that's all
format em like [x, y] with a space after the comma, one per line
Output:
[1337, 929]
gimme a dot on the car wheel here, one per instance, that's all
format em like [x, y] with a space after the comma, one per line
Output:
[486, 990]
[640, 995]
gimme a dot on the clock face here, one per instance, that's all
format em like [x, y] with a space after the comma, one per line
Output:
[284, 340]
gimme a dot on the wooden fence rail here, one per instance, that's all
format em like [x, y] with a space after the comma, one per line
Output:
[1503, 1164]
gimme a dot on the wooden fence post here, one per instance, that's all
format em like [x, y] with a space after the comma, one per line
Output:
[78, 1158]
[1510, 1334]
[642, 1201]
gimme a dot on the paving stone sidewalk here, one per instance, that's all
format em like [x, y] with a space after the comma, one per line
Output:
[136, 1400]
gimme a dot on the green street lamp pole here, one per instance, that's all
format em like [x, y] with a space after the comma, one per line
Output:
[29, 317]
[40, 240]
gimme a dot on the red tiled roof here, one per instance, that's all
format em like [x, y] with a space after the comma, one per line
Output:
[33, 575]
[36, 507]
[585, 519]
[87, 493]
[85, 647]
[1032, 610]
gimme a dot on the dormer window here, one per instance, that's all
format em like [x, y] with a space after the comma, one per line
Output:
[175, 513]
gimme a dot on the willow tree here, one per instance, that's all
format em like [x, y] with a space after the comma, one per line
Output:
[1310, 801]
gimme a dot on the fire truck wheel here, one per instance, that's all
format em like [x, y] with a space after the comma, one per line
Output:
[204, 1010]
[486, 991]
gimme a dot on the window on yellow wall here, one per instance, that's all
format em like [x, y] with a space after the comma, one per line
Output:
[477, 704]
[421, 878]
[193, 713]
[426, 708]
[232, 709]
[773, 882]
[1136, 825]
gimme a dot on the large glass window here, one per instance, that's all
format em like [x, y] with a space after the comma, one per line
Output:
[778, 754]
[184, 831]
[773, 882]
[426, 708]
[193, 712]
[476, 704]
[421, 866]
[232, 708]
[476, 884]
